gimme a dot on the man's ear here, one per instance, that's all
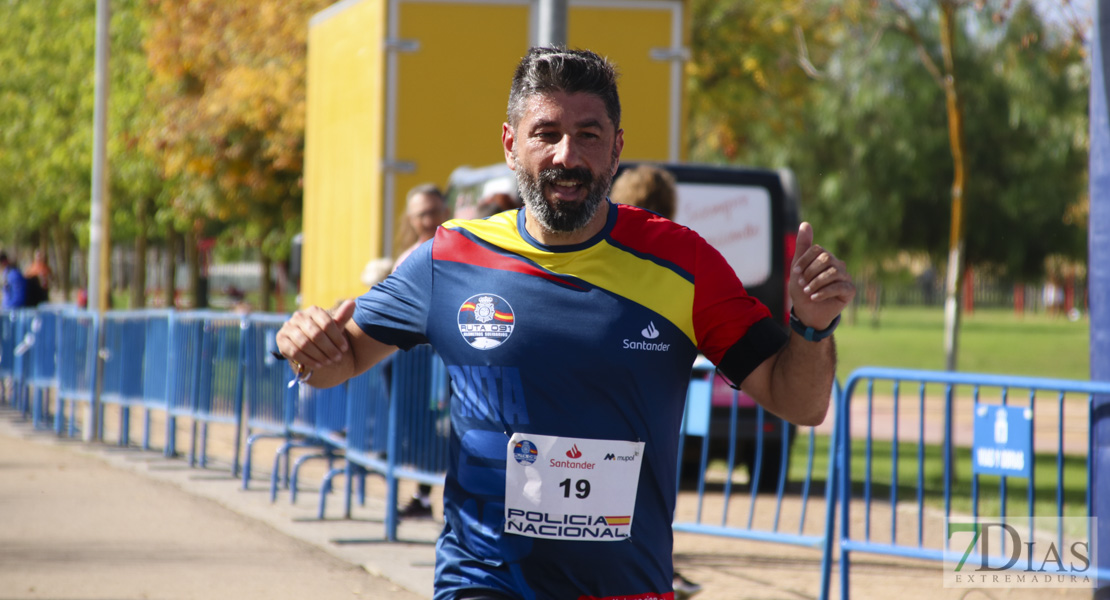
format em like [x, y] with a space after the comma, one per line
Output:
[508, 139]
[618, 144]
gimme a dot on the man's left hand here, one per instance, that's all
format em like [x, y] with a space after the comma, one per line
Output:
[820, 286]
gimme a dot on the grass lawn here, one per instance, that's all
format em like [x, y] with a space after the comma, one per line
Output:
[932, 478]
[990, 341]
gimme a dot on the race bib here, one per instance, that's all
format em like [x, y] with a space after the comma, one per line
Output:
[564, 488]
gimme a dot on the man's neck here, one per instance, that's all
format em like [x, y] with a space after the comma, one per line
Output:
[567, 238]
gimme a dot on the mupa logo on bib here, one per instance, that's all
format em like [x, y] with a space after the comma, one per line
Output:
[486, 321]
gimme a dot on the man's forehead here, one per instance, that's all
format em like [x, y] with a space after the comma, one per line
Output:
[576, 107]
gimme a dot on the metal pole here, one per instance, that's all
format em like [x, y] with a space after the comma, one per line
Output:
[1099, 286]
[552, 28]
[99, 212]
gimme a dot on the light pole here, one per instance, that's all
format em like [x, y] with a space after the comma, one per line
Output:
[99, 212]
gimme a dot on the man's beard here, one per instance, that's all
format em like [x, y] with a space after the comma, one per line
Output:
[560, 216]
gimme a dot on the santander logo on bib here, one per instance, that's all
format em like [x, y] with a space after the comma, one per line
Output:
[574, 452]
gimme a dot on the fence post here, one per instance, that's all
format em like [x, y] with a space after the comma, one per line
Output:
[1099, 282]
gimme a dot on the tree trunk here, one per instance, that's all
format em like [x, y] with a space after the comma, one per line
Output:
[64, 243]
[266, 287]
[170, 273]
[192, 259]
[959, 163]
[138, 280]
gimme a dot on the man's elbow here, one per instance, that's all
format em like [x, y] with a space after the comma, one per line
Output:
[814, 413]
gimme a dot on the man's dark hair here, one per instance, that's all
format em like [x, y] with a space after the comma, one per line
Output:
[546, 70]
[4, 258]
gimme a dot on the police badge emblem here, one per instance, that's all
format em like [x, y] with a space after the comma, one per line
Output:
[486, 321]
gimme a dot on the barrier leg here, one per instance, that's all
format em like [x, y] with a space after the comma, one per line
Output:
[36, 409]
[60, 418]
[193, 444]
[283, 451]
[297, 469]
[124, 426]
[72, 418]
[171, 437]
[204, 446]
[325, 489]
[146, 429]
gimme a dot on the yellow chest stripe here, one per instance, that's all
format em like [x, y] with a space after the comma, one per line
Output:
[604, 265]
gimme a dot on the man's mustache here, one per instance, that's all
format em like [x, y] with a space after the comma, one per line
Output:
[580, 175]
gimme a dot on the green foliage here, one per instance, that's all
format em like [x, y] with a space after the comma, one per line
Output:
[863, 125]
[47, 55]
[230, 79]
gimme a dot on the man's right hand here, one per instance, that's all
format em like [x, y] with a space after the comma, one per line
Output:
[316, 337]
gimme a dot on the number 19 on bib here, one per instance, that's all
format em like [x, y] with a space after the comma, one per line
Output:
[566, 488]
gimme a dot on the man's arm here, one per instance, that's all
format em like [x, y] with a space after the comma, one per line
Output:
[329, 345]
[795, 383]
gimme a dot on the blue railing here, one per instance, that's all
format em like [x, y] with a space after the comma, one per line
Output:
[922, 420]
[753, 509]
[896, 458]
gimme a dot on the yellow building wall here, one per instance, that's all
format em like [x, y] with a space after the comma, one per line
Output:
[453, 90]
[343, 149]
[626, 36]
[450, 101]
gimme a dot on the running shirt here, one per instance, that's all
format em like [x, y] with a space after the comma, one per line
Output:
[569, 367]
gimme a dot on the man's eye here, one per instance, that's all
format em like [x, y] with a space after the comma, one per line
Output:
[548, 135]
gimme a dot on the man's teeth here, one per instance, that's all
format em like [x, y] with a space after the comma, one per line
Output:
[566, 183]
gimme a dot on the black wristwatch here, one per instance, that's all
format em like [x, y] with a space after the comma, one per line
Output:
[809, 333]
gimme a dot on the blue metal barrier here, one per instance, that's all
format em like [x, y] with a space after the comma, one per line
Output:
[43, 338]
[205, 378]
[123, 349]
[77, 357]
[23, 364]
[419, 425]
[219, 385]
[320, 419]
[156, 374]
[414, 417]
[7, 358]
[367, 435]
[737, 506]
[922, 434]
[269, 399]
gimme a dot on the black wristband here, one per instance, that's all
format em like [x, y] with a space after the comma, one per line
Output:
[809, 333]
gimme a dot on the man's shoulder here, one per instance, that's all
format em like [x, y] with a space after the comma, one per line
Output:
[499, 230]
[649, 234]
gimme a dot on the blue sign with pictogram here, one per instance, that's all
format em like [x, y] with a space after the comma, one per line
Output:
[1003, 443]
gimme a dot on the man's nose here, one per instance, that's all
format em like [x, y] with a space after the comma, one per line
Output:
[567, 154]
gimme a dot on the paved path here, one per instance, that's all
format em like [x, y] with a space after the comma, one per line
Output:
[81, 521]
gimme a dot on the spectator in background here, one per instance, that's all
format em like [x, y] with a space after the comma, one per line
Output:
[426, 210]
[495, 203]
[648, 187]
[15, 287]
[40, 268]
[237, 299]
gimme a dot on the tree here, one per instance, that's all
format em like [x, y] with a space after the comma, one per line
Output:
[873, 145]
[230, 78]
[46, 103]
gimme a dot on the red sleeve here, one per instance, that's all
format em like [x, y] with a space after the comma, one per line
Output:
[723, 310]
